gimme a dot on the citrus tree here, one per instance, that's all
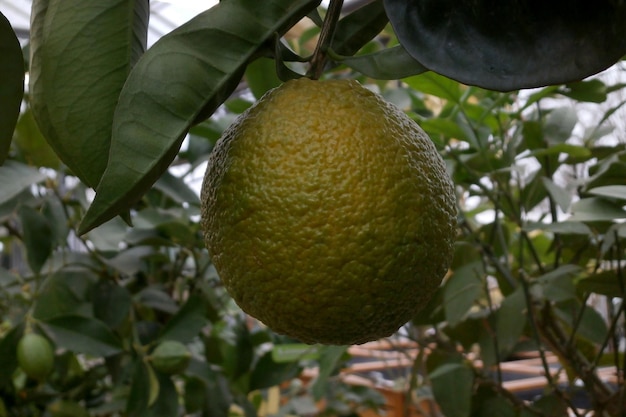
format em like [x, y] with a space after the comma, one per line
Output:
[110, 303]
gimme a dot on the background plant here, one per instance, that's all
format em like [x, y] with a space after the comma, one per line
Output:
[539, 258]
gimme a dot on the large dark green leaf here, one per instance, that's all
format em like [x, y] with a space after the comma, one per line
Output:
[11, 86]
[507, 45]
[81, 54]
[187, 74]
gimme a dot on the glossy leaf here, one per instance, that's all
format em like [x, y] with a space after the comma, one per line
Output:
[12, 84]
[83, 335]
[187, 74]
[15, 178]
[510, 45]
[81, 54]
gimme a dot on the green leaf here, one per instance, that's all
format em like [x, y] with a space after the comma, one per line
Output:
[140, 386]
[268, 372]
[177, 189]
[595, 209]
[83, 335]
[31, 144]
[330, 356]
[606, 283]
[452, 387]
[610, 191]
[37, 237]
[15, 178]
[510, 321]
[549, 404]
[436, 85]
[179, 81]
[446, 127]
[111, 302]
[592, 326]
[558, 127]
[495, 405]
[261, 76]
[292, 352]
[187, 322]
[561, 197]
[558, 285]
[387, 64]
[507, 45]
[11, 86]
[573, 151]
[461, 291]
[65, 292]
[81, 54]
[8, 353]
[566, 227]
[215, 390]
[593, 91]
[166, 403]
[359, 27]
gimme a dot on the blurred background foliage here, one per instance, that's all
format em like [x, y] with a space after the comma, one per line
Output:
[540, 177]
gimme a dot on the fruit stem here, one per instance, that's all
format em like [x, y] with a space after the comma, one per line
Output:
[318, 62]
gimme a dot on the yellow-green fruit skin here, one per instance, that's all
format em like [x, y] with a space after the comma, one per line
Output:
[35, 356]
[328, 213]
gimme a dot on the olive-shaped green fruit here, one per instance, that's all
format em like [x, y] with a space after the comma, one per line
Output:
[35, 356]
[170, 357]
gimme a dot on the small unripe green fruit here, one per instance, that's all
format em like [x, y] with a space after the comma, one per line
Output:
[35, 356]
[170, 357]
